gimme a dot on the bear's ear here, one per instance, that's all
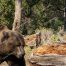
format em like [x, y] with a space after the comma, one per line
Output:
[2, 27]
[5, 36]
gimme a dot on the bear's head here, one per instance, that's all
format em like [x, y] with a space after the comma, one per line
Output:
[11, 43]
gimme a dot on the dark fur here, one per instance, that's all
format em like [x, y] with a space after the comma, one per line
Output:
[11, 43]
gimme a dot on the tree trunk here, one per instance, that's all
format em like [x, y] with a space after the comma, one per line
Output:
[17, 18]
[65, 19]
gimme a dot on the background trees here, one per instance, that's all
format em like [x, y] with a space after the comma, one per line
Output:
[35, 14]
[7, 12]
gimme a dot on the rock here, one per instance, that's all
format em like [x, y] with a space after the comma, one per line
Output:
[4, 64]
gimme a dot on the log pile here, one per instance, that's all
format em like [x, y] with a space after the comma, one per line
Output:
[49, 55]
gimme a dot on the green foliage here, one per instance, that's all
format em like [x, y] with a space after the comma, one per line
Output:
[32, 2]
[55, 24]
[6, 12]
[42, 13]
[54, 38]
[47, 13]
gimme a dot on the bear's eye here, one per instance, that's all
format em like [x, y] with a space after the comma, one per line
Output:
[18, 45]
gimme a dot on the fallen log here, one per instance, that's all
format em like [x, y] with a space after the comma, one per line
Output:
[47, 56]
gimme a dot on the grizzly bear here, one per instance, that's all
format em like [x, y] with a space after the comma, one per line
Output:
[11, 47]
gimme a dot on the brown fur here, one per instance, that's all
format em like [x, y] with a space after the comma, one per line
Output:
[12, 43]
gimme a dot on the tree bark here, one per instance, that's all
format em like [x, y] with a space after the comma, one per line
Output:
[17, 18]
[65, 19]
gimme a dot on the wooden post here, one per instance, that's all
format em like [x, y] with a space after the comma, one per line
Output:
[38, 39]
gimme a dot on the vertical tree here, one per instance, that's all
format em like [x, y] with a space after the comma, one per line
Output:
[64, 15]
[17, 18]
